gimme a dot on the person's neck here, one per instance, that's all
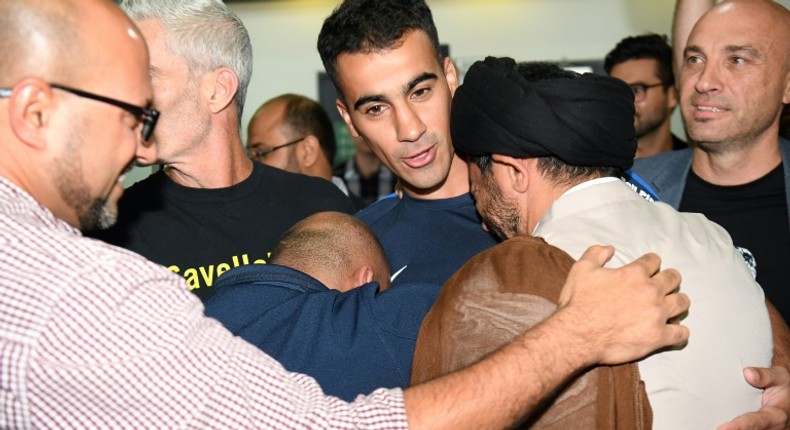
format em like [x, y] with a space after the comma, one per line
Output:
[657, 141]
[739, 165]
[455, 184]
[219, 161]
[321, 169]
[542, 195]
[367, 164]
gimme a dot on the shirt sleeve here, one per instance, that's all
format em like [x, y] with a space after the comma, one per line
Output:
[127, 346]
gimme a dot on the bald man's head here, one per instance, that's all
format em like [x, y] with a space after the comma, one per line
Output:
[32, 34]
[735, 75]
[765, 17]
[74, 75]
[337, 249]
[50, 38]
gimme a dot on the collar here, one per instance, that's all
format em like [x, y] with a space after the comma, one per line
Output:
[579, 187]
[15, 200]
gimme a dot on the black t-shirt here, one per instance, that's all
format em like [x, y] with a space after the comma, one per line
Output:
[201, 233]
[755, 215]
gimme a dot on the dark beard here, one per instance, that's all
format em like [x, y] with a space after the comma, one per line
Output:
[501, 217]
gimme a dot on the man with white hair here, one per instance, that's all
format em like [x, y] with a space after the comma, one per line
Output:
[210, 208]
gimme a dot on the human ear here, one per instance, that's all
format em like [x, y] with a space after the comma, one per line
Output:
[307, 152]
[672, 98]
[30, 107]
[517, 170]
[451, 75]
[359, 277]
[221, 87]
[364, 275]
[343, 111]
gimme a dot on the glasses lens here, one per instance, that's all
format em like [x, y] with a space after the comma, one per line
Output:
[639, 91]
[149, 123]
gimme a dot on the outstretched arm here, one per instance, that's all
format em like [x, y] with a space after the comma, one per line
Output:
[606, 316]
[687, 13]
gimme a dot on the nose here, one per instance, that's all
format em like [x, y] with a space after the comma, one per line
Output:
[409, 125]
[708, 78]
[145, 154]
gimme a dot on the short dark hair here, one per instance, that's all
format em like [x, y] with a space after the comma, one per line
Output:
[648, 46]
[482, 161]
[305, 116]
[562, 173]
[554, 169]
[363, 26]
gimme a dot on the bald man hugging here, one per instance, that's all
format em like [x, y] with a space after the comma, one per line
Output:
[323, 307]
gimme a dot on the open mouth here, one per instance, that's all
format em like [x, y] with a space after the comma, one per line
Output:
[710, 109]
[705, 112]
[422, 158]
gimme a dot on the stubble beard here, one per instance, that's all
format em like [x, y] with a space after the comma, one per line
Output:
[501, 217]
[738, 134]
[721, 145]
[92, 212]
[645, 128]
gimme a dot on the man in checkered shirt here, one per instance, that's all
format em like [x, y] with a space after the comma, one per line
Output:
[93, 336]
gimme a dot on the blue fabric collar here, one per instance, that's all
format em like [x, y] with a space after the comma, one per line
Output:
[270, 274]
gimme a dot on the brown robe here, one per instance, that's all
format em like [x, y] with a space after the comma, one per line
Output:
[494, 298]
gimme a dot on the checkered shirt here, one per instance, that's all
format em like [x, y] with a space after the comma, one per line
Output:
[94, 336]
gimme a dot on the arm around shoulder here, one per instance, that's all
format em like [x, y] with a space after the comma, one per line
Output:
[606, 316]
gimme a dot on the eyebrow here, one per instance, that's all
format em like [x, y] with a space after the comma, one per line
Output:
[426, 76]
[729, 48]
[743, 48]
[692, 49]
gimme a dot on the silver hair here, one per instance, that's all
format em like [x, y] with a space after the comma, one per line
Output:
[206, 33]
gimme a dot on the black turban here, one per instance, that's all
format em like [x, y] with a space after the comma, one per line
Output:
[583, 121]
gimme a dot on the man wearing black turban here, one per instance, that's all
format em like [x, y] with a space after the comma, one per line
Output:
[583, 120]
[546, 148]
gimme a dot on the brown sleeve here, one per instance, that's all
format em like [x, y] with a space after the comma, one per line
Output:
[494, 298]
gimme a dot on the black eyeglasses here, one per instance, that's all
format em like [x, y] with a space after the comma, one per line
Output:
[640, 90]
[264, 152]
[147, 117]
